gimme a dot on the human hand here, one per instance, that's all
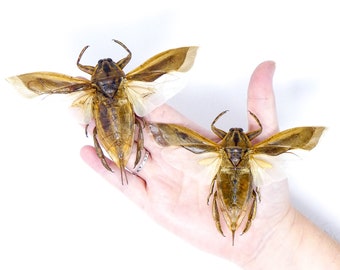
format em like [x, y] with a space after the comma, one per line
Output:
[175, 194]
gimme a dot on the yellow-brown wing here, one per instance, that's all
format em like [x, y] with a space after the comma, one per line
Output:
[179, 60]
[49, 83]
[158, 79]
[176, 135]
[305, 138]
[267, 165]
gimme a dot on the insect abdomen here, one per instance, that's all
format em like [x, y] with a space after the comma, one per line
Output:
[115, 126]
[234, 188]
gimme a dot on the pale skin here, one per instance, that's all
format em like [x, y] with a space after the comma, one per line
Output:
[175, 196]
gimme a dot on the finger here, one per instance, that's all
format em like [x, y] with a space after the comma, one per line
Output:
[135, 189]
[261, 100]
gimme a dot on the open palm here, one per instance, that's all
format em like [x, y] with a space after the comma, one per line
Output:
[173, 190]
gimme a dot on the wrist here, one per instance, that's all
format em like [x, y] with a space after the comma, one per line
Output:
[296, 243]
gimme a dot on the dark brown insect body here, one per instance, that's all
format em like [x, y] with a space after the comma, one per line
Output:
[235, 164]
[115, 100]
[112, 111]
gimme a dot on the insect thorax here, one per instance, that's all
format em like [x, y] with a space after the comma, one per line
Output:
[235, 154]
[108, 77]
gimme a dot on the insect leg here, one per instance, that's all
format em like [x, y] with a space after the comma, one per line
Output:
[86, 128]
[123, 62]
[253, 134]
[252, 212]
[87, 69]
[258, 193]
[216, 214]
[140, 142]
[220, 133]
[212, 185]
[99, 151]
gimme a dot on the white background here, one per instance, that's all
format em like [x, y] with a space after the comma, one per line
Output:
[56, 213]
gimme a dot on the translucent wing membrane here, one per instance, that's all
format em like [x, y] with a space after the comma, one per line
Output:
[267, 169]
[158, 79]
[146, 96]
[83, 102]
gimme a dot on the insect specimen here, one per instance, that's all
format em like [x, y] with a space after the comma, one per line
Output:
[236, 164]
[115, 100]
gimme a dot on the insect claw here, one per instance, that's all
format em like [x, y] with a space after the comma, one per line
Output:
[258, 194]
[86, 128]
[106, 165]
[244, 231]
